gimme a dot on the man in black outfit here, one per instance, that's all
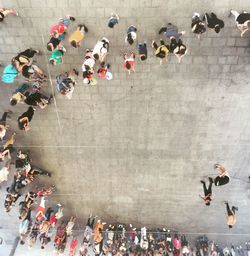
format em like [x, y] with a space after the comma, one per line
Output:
[213, 22]
[53, 44]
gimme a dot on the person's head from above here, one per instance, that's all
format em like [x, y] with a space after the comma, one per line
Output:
[217, 28]
[182, 50]
[13, 102]
[27, 71]
[52, 62]
[42, 247]
[50, 47]
[128, 65]
[143, 57]
[207, 202]
[55, 34]
[23, 125]
[111, 24]
[74, 44]
[96, 56]
[22, 242]
[130, 40]
[230, 226]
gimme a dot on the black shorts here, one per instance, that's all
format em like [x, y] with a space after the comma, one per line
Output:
[1, 16]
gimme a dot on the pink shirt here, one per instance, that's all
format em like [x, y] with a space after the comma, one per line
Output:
[60, 28]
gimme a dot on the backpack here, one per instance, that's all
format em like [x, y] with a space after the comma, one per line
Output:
[63, 84]
[9, 74]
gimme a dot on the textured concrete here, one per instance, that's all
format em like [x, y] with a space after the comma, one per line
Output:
[135, 148]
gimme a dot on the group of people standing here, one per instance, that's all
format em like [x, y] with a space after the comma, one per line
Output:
[46, 219]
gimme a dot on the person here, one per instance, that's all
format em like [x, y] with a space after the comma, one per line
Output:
[65, 83]
[5, 12]
[113, 20]
[4, 171]
[101, 49]
[178, 48]
[3, 125]
[78, 35]
[171, 30]
[8, 147]
[9, 74]
[223, 177]
[70, 225]
[56, 57]
[89, 228]
[129, 62]
[19, 94]
[59, 30]
[198, 27]
[143, 52]
[131, 34]
[242, 20]
[161, 51]
[213, 22]
[38, 99]
[25, 228]
[24, 58]
[25, 118]
[33, 73]
[231, 217]
[98, 237]
[53, 44]
[207, 192]
[40, 215]
[104, 72]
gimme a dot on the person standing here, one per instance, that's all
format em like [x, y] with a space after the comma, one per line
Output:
[198, 27]
[78, 35]
[129, 62]
[171, 30]
[101, 49]
[231, 218]
[207, 192]
[25, 118]
[113, 20]
[3, 125]
[131, 34]
[59, 30]
[242, 21]
[223, 177]
[213, 22]
[143, 51]
[161, 51]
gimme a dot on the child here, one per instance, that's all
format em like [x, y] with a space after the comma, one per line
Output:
[129, 62]
[131, 34]
[113, 20]
[143, 52]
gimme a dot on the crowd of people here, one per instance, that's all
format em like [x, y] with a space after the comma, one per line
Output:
[43, 222]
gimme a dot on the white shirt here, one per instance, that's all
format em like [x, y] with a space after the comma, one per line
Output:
[3, 132]
[4, 172]
[99, 49]
[89, 62]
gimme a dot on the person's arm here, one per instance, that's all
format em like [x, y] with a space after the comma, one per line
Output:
[203, 198]
[243, 31]
[6, 152]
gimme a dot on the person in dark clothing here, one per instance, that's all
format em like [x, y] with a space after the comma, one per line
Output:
[25, 118]
[242, 21]
[178, 48]
[53, 44]
[223, 177]
[171, 31]
[207, 191]
[23, 58]
[143, 52]
[213, 22]
[198, 27]
[231, 218]
[38, 99]
[3, 125]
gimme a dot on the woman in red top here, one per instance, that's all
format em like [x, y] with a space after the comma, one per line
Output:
[129, 62]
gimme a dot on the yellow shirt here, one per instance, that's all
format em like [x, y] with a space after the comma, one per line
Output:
[18, 97]
[76, 36]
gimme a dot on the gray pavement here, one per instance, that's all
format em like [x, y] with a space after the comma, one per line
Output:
[135, 148]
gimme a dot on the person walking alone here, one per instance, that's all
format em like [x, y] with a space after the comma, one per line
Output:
[231, 218]
[207, 192]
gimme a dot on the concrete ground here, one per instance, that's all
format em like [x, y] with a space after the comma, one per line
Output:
[135, 148]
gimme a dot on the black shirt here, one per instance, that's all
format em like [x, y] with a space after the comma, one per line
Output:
[243, 17]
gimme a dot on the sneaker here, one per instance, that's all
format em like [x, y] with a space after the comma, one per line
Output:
[72, 18]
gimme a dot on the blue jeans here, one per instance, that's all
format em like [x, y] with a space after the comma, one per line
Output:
[65, 22]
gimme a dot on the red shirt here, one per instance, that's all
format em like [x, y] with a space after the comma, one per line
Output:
[130, 61]
[60, 28]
